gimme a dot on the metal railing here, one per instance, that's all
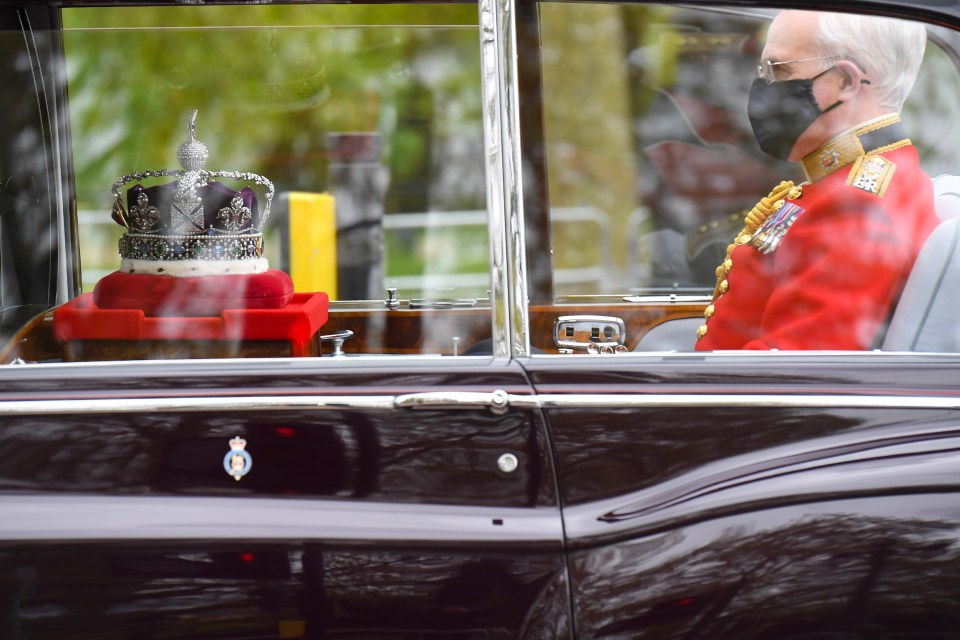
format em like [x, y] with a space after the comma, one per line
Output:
[593, 276]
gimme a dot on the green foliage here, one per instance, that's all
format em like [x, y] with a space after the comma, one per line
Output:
[270, 83]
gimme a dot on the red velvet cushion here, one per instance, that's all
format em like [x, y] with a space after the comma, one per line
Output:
[80, 319]
[203, 296]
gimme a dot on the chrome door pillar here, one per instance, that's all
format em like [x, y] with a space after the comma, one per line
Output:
[501, 127]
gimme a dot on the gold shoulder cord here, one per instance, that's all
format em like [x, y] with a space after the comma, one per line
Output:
[760, 212]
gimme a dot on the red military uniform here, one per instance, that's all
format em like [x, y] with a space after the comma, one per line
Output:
[826, 268]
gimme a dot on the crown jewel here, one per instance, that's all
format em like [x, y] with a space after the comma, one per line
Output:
[195, 225]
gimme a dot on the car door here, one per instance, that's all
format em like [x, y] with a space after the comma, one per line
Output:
[692, 494]
[377, 502]
[370, 479]
[725, 494]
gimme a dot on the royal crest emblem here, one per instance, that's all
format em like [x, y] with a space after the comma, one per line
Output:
[829, 159]
[237, 462]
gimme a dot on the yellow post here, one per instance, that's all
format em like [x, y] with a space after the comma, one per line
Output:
[313, 242]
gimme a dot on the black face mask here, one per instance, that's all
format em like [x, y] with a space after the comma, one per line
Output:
[781, 111]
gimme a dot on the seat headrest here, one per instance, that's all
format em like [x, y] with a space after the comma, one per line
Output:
[946, 196]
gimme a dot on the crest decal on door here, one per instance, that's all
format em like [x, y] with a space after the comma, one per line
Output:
[238, 461]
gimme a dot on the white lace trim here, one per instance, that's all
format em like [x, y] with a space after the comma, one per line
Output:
[194, 268]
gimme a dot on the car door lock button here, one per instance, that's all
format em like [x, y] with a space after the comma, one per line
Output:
[508, 463]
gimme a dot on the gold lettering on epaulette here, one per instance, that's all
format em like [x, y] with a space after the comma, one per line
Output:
[871, 173]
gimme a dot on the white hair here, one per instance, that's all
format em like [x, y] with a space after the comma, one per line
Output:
[887, 49]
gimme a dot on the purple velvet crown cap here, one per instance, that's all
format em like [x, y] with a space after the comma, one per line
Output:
[215, 196]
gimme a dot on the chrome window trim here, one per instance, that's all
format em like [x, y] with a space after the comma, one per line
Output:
[498, 401]
[787, 357]
[782, 401]
[83, 518]
[265, 366]
[501, 127]
[217, 366]
[201, 404]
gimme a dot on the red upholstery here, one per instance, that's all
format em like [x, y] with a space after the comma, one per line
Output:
[158, 295]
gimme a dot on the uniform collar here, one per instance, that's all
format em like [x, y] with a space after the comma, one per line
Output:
[875, 136]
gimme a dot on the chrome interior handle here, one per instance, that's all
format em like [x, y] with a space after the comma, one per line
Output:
[588, 333]
[337, 339]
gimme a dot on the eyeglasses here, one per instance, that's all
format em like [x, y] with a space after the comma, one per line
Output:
[767, 70]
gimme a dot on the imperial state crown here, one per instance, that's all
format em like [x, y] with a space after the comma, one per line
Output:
[195, 226]
[193, 281]
[192, 246]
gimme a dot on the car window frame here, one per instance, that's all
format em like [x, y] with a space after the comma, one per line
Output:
[531, 217]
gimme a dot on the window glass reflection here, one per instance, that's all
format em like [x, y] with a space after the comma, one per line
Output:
[365, 118]
[648, 128]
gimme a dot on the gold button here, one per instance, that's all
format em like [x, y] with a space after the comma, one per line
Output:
[701, 331]
[708, 312]
[728, 264]
[724, 286]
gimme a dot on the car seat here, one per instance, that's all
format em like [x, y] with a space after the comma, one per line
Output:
[926, 315]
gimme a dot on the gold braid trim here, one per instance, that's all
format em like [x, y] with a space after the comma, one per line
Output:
[880, 123]
[757, 216]
[890, 147]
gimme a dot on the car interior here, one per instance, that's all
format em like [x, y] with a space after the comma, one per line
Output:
[638, 165]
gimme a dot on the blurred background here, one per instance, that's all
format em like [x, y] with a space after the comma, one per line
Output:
[651, 161]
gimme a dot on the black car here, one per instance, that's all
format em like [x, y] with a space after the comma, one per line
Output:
[452, 390]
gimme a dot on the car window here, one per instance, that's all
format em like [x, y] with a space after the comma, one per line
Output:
[362, 128]
[358, 126]
[652, 166]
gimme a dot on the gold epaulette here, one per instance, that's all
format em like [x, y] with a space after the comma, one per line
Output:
[871, 173]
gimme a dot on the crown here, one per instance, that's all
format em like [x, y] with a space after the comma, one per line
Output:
[194, 226]
[237, 444]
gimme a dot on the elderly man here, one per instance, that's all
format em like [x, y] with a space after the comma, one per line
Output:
[821, 265]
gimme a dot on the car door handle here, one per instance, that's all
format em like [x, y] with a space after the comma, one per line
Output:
[497, 401]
